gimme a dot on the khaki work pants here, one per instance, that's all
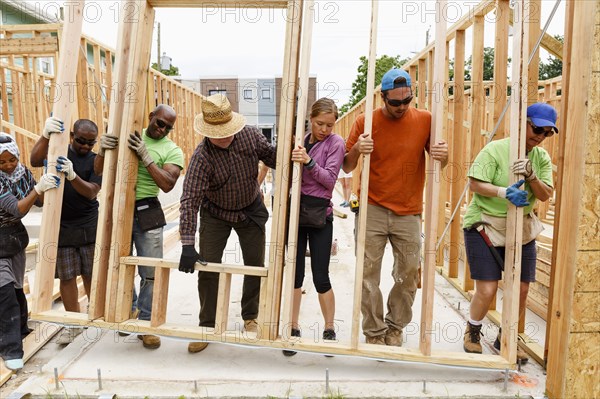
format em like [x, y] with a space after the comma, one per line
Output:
[404, 234]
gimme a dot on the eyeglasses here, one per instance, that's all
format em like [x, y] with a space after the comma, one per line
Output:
[542, 130]
[5, 139]
[397, 103]
[85, 142]
[163, 125]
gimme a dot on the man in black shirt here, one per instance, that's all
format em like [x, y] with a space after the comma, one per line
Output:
[79, 216]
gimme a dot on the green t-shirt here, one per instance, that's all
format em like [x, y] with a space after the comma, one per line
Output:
[162, 151]
[492, 166]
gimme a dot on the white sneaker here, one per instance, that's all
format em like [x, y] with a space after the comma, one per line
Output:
[14, 364]
[68, 334]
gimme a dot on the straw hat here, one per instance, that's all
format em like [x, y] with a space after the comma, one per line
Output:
[217, 120]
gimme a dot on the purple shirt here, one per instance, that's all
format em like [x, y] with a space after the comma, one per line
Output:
[328, 156]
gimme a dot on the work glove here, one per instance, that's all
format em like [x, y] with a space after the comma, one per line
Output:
[514, 195]
[523, 167]
[52, 125]
[47, 182]
[108, 142]
[137, 144]
[66, 166]
[188, 259]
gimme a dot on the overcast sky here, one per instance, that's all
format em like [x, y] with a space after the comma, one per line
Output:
[249, 42]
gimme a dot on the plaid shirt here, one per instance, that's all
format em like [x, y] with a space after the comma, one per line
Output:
[223, 181]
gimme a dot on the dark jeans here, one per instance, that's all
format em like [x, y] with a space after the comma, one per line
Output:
[320, 253]
[214, 233]
[13, 321]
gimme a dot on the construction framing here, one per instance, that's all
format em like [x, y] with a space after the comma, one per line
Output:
[114, 269]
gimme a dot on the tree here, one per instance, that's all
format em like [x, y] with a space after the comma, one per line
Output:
[359, 87]
[554, 66]
[488, 65]
[172, 71]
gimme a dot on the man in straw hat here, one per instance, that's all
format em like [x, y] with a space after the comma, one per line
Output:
[222, 184]
[160, 164]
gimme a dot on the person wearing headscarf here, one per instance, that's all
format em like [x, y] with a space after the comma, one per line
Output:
[18, 193]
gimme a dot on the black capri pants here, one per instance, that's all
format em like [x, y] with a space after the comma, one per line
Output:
[319, 241]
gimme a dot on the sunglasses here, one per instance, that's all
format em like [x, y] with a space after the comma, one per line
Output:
[5, 139]
[397, 103]
[85, 142]
[542, 130]
[163, 125]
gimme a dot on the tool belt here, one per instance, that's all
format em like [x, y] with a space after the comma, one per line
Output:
[14, 239]
[77, 236]
[149, 214]
[496, 228]
[313, 211]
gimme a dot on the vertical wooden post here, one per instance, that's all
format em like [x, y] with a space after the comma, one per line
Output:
[422, 97]
[290, 264]
[125, 50]
[574, 337]
[477, 91]
[514, 222]
[458, 170]
[66, 72]
[534, 15]
[500, 64]
[364, 178]
[83, 100]
[269, 308]
[433, 182]
[430, 69]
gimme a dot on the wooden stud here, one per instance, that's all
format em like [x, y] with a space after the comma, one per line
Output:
[160, 296]
[430, 69]
[514, 222]
[95, 87]
[66, 72]
[269, 313]
[433, 183]
[422, 93]
[223, 299]
[104, 244]
[457, 167]
[290, 264]
[83, 100]
[30, 46]
[220, 3]
[364, 178]
[500, 64]
[477, 91]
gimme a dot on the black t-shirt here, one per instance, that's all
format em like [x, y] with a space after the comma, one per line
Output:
[77, 210]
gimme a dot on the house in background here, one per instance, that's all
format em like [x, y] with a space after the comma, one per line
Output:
[257, 99]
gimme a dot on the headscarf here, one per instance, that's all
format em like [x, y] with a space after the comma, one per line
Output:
[11, 147]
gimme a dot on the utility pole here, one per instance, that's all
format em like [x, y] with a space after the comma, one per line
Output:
[158, 45]
[426, 35]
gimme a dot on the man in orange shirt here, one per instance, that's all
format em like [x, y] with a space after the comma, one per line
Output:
[397, 146]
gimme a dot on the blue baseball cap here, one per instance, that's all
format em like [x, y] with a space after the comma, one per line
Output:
[387, 83]
[542, 114]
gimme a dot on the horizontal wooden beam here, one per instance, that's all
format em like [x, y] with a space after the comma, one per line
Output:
[219, 3]
[29, 28]
[211, 267]
[298, 344]
[29, 45]
[11, 127]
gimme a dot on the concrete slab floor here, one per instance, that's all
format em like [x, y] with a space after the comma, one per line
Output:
[223, 370]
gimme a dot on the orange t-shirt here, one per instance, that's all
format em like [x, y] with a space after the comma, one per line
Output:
[397, 168]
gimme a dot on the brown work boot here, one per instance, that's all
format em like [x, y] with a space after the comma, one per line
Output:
[376, 340]
[150, 341]
[393, 337]
[195, 347]
[251, 326]
[472, 337]
[521, 355]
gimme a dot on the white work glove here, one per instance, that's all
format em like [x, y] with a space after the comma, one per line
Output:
[53, 125]
[66, 166]
[47, 182]
[137, 144]
[523, 167]
[108, 142]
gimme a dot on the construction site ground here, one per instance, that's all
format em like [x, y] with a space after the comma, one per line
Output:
[128, 370]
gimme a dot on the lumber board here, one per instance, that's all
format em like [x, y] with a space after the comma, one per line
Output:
[361, 230]
[433, 184]
[270, 297]
[28, 45]
[160, 296]
[305, 344]
[514, 222]
[301, 116]
[12, 127]
[477, 90]
[223, 299]
[100, 272]
[251, 4]
[209, 267]
[500, 63]
[66, 72]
